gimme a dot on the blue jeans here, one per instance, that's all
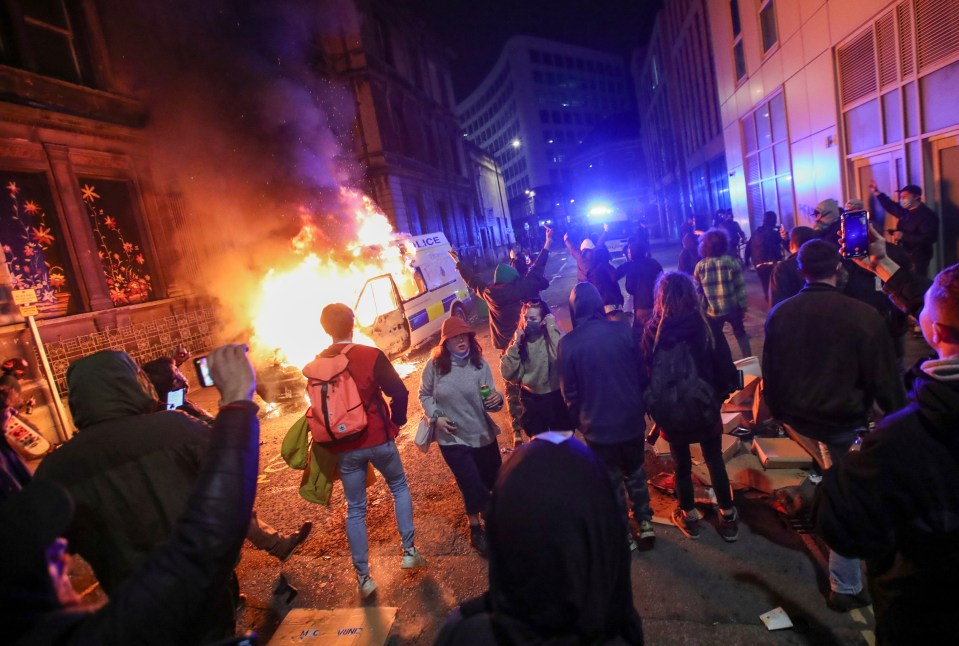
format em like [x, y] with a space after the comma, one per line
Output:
[845, 574]
[353, 464]
[625, 462]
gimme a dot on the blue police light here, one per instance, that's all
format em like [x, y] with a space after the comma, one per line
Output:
[599, 211]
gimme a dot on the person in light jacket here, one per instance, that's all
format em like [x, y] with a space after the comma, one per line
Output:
[530, 362]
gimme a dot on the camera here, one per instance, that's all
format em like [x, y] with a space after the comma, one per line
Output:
[855, 234]
[203, 372]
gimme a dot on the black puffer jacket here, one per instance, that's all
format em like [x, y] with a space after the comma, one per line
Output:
[600, 372]
[714, 364]
[130, 470]
[167, 600]
[895, 503]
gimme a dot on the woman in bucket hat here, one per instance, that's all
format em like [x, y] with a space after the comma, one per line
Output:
[457, 393]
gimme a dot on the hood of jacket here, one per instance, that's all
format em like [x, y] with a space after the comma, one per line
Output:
[936, 391]
[828, 213]
[585, 304]
[108, 385]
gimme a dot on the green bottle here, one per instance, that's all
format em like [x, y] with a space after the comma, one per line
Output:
[485, 392]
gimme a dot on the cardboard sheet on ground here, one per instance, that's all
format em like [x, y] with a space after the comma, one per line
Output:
[345, 626]
[781, 453]
[747, 471]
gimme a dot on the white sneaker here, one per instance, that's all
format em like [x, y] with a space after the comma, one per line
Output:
[412, 559]
[366, 586]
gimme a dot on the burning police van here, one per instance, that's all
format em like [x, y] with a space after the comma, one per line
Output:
[401, 312]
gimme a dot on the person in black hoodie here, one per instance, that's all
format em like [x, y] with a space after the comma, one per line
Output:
[558, 561]
[601, 378]
[895, 503]
[603, 276]
[678, 317]
[765, 249]
[826, 360]
[168, 598]
[641, 272]
[785, 279]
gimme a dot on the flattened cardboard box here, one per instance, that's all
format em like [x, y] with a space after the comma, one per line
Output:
[781, 453]
[743, 397]
[747, 471]
[345, 626]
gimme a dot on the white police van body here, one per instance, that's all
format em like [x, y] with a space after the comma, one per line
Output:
[400, 320]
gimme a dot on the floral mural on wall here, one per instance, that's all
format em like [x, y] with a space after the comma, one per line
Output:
[29, 236]
[118, 245]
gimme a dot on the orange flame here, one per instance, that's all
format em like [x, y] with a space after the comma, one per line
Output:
[286, 317]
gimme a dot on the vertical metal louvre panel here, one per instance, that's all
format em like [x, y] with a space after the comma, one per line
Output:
[857, 67]
[886, 47]
[904, 18]
[937, 31]
[754, 198]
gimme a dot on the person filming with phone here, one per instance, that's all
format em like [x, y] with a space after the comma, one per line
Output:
[918, 227]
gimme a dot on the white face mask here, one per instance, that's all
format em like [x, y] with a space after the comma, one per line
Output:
[908, 202]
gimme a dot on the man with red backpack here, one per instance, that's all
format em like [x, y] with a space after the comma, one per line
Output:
[370, 373]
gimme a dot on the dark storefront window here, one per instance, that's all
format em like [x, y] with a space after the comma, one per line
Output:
[125, 264]
[33, 243]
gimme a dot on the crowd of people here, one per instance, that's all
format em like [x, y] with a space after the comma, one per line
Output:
[159, 501]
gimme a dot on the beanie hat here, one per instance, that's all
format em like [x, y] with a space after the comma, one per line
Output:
[453, 326]
[504, 274]
[586, 244]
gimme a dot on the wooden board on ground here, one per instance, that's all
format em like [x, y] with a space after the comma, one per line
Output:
[368, 626]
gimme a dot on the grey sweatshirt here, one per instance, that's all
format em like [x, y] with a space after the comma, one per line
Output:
[540, 373]
[456, 396]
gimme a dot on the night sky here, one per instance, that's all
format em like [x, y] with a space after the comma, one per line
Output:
[477, 29]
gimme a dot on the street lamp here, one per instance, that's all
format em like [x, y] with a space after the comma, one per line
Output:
[516, 143]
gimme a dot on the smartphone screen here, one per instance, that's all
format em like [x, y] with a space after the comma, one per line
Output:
[855, 234]
[174, 399]
[203, 372]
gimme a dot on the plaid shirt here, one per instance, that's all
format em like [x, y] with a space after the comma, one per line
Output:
[720, 281]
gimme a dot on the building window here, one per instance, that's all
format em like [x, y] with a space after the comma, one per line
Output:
[33, 244]
[739, 56]
[125, 262]
[768, 173]
[44, 36]
[767, 22]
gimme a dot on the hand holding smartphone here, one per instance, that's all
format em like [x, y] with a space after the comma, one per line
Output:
[203, 372]
[855, 234]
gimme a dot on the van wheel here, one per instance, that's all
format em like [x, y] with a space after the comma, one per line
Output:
[459, 312]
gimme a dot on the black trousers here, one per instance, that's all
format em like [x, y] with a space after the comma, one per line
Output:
[546, 412]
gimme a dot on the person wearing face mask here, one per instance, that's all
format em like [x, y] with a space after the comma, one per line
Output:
[457, 394]
[918, 227]
[530, 362]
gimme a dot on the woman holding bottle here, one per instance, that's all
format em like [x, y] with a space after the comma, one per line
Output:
[457, 394]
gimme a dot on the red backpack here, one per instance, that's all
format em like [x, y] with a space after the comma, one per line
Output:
[336, 412]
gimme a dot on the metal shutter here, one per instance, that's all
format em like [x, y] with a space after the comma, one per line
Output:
[937, 31]
[906, 56]
[886, 47]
